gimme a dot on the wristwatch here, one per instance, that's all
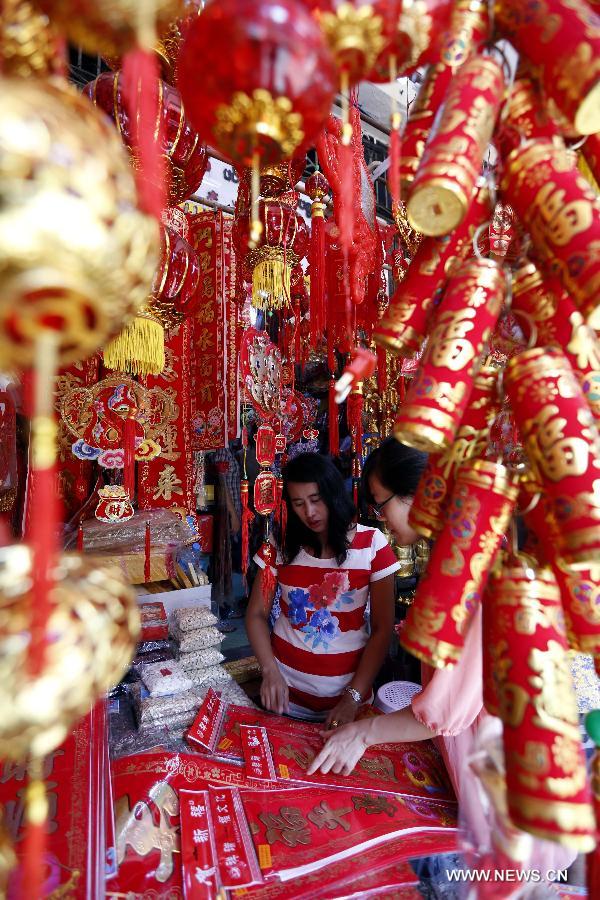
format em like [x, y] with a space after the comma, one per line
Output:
[354, 694]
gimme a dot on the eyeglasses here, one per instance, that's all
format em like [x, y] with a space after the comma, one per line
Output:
[378, 507]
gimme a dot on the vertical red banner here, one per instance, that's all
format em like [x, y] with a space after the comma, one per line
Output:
[75, 475]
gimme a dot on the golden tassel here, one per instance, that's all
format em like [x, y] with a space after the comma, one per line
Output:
[139, 349]
[271, 280]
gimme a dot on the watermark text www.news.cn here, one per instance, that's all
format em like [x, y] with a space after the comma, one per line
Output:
[533, 876]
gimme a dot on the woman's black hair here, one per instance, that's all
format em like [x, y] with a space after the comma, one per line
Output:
[303, 469]
[397, 467]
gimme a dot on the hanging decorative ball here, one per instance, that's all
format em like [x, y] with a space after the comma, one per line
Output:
[110, 27]
[277, 180]
[76, 254]
[185, 156]
[284, 242]
[317, 187]
[29, 46]
[275, 98]
[91, 637]
[175, 295]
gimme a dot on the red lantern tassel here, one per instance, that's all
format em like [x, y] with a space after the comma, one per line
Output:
[354, 411]
[34, 862]
[129, 470]
[334, 425]
[147, 554]
[283, 521]
[317, 274]
[141, 88]
[382, 374]
[395, 156]
[80, 538]
[247, 519]
[269, 579]
[346, 164]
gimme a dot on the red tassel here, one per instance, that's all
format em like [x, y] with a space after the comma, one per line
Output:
[34, 848]
[268, 575]
[247, 519]
[334, 425]
[283, 521]
[297, 343]
[147, 554]
[382, 375]
[354, 415]
[129, 469]
[402, 388]
[347, 199]
[317, 275]
[355, 492]
[80, 538]
[395, 154]
[141, 97]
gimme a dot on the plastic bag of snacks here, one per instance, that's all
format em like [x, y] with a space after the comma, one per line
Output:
[200, 659]
[164, 678]
[199, 640]
[191, 618]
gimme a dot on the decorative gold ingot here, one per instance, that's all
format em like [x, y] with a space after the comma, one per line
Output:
[92, 633]
[76, 254]
[353, 31]
[240, 122]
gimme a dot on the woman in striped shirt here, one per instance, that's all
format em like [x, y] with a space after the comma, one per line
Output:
[324, 652]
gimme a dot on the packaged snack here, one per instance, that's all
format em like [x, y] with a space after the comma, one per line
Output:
[200, 659]
[164, 678]
[190, 618]
[200, 639]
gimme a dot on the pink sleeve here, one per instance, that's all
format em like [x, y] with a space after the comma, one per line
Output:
[452, 699]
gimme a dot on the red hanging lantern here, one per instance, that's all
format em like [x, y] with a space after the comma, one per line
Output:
[282, 177]
[283, 243]
[176, 281]
[185, 156]
[276, 97]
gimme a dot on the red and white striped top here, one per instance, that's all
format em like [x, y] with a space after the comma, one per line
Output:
[319, 637]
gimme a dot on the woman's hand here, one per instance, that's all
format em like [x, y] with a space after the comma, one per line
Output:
[343, 712]
[343, 748]
[274, 692]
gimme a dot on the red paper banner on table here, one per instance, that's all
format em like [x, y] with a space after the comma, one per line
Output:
[382, 868]
[168, 481]
[257, 753]
[236, 859]
[207, 724]
[299, 832]
[74, 475]
[407, 770]
[74, 777]
[211, 238]
[198, 851]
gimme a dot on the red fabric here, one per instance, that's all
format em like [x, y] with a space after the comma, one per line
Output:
[168, 480]
[129, 469]
[141, 96]
[211, 237]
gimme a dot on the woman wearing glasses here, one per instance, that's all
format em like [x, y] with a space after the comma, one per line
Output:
[322, 657]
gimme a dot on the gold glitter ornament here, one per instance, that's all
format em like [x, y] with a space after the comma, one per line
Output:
[110, 27]
[91, 638]
[29, 46]
[76, 253]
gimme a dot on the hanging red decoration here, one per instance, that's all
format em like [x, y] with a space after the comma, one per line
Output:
[175, 289]
[274, 100]
[281, 246]
[317, 189]
[562, 40]
[184, 155]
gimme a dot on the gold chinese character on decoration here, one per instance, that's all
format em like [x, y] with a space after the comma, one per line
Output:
[289, 826]
[168, 484]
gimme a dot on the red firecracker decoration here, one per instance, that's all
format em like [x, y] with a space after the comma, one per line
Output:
[479, 513]
[560, 209]
[439, 394]
[562, 40]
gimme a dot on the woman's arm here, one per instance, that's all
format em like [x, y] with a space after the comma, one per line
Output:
[374, 653]
[344, 746]
[273, 690]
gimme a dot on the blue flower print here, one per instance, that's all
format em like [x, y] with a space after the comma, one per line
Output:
[298, 603]
[322, 628]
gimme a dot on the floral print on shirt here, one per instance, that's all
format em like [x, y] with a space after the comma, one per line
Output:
[310, 610]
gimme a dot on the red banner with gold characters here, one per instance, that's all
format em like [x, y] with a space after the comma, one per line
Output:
[75, 475]
[168, 480]
[211, 237]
